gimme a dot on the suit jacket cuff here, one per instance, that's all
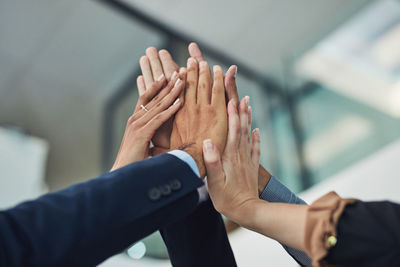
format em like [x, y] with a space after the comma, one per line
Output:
[275, 191]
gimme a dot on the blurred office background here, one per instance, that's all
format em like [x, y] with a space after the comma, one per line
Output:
[323, 79]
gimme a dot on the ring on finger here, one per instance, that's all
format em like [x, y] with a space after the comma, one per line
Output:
[144, 108]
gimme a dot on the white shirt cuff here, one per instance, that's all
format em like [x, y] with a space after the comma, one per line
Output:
[182, 155]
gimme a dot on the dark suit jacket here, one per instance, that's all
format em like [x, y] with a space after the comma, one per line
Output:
[199, 239]
[86, 223]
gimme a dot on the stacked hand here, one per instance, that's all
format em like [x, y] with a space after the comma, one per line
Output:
[233, 179]
[154, 107]
[203, 116]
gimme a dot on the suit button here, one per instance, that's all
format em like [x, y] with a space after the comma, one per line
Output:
[154, 194]
[165, 190]
[175, 184]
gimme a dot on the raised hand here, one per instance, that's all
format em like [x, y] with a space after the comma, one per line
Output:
[232, 94]
[154, 107]
[153, 65]
[233, 179]
[203, 115]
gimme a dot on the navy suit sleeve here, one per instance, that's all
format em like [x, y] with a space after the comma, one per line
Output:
[86, 223]
[199, 239]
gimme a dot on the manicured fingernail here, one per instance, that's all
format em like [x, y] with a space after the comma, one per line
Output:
[174, 75]
[178, 82]
[191, 61]
[159, 79]
[208, 146]
[249, 109]
[215, 68]
[182, 70]
[247, 99]
[176, 101]
[257, 132]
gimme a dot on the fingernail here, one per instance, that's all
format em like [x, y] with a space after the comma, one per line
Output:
[249, 108]
[257, 132]
[234, 75]
[203, 64]
[215, 68]
[247, 99]
[176, 101]
[191, 61]
[174, 75]
[159, 79]
[208, 146]
[177, 83]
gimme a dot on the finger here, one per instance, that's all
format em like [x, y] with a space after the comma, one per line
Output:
[244, 126]
[163, 104]
[215, 172]
[230, 84]
[155, 123]
[204, 86]
[146, 71]
[155, 63]
[249, 119]
[191, 81]
[218, 90]
[182, 76]
[255, 147]
[195, 52]
[150, 93]
[233, 128]
[250, 114]
[140, 85]
[163, 92]
[168, 64]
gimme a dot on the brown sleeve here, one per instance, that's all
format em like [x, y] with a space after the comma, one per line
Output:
[321, 221]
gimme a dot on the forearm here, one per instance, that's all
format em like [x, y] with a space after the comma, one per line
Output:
[91, 221]
[280, 221]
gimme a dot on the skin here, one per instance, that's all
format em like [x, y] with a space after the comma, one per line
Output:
[154, 64]
[232, 94]
[203, 115]
[233, 184]
[161, 99]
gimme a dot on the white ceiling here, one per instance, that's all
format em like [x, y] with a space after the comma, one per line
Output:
[265, 34]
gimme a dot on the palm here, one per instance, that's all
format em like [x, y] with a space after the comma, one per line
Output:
[162, 136]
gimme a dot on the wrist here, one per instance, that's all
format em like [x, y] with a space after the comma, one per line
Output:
[196, 152]
[247, 214]
[263, 178]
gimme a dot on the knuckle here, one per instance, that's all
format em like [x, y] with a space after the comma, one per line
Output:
[190, 83]
[237, 129]
[203, 85]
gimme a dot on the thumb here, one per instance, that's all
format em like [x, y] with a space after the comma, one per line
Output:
[212, 161]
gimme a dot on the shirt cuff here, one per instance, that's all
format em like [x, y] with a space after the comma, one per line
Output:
[182, 155]
[275, 191]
